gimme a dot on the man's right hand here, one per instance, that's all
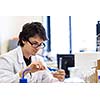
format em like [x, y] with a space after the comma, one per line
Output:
[36, 66]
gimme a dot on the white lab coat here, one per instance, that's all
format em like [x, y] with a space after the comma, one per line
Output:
[12, 63]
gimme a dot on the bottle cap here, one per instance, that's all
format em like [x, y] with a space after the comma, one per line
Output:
[23, 80]
[98, 77]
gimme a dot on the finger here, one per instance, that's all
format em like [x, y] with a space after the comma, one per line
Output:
[60, 77]
[43, 67]
[37, 66]
[40, 67]
[61, 71]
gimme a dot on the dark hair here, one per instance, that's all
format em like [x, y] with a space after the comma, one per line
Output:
[31, 30]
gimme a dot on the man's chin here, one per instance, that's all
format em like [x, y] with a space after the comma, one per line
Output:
[33, 54]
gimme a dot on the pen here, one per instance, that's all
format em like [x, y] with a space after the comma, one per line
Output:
[52, 69]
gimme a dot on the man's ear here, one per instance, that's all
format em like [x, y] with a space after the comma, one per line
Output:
[24, 41]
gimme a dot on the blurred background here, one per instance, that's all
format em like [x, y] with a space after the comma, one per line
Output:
[66, 34]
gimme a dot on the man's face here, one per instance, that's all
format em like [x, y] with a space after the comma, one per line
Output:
[33, 45]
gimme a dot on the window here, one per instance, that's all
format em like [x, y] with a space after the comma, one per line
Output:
[83, 34]
[59, 34]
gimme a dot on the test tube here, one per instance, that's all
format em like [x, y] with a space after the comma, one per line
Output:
[60, 63]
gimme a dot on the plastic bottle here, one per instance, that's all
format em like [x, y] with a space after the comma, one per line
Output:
[24, 80]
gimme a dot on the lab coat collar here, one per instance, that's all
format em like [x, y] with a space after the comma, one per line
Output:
[20, 55]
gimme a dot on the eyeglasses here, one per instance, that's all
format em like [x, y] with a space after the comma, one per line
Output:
[36, 45]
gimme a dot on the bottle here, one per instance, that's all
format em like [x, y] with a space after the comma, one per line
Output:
[24, 80]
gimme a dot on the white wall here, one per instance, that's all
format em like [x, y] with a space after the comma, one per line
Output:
[59, 34]
[84, 32]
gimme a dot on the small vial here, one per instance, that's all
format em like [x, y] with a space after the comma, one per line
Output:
[60, 63]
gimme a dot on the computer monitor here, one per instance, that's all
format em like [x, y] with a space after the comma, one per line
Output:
[65, 61]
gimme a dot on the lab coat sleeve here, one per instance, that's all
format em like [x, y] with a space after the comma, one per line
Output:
[7, 74]
[43, 77]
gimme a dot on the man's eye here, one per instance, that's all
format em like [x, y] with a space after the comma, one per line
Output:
[35, 43]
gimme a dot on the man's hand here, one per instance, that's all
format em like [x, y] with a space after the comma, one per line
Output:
[60, 75]
[36, 66]
[33, 67]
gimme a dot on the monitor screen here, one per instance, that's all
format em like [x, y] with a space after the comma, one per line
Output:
[64, 61]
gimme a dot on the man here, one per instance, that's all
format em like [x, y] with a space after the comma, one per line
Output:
[15, 62]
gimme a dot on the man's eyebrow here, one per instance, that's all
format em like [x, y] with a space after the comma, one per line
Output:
[36, 42]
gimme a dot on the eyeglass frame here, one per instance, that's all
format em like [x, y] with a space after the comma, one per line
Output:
[38, 45]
